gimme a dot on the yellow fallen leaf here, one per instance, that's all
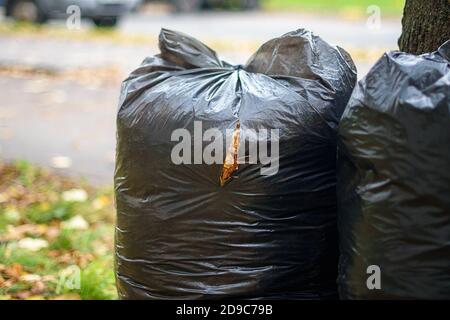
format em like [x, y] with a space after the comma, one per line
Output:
[44, 206]
[30, 277]
[32, 244]
[100, 202]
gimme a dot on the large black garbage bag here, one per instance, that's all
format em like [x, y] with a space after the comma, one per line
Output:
[230, 230]
[394, 180]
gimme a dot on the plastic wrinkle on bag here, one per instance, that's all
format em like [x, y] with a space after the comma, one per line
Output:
[233, 228]
[394, 180]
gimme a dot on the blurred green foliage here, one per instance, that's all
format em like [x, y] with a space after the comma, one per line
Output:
[357, 7]
[51, 226]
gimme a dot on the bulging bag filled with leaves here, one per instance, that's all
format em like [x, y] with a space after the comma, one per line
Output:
[225, 175]
[394, 180]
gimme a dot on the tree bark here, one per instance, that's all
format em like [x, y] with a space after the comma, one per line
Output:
[426, 25]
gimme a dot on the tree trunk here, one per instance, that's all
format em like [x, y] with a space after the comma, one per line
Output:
[426, 25]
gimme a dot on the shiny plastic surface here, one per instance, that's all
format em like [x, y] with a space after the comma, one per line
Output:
[197, 231]
[394, 180]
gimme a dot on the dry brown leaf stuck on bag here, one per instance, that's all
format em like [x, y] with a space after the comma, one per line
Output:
[231, 164]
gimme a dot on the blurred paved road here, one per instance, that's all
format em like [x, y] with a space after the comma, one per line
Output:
[42, 120]
[42, 117]
[262, 26]
[242, 32]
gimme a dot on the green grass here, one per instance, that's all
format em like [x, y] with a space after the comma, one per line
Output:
[358, 7]
[56, 211]
[82, 241]
[44, 252]
[38, 262]
[97, 281]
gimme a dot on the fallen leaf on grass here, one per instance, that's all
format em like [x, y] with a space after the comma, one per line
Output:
[75, 195]
[19, 232]
[52, 233]
[75, 258]
[32, 244]
[38, 287]
[49, 277]
[14, 271]
[100, 202]
[100, 248]
[7, 284]
[30, 277]
[11, 214]
[76, 223]
[3, 197]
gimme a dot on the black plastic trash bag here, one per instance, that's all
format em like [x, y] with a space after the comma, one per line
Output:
[194, 229]
[394, 181]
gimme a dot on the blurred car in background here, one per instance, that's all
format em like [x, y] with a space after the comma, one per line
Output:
[105, 13]
[194, 5]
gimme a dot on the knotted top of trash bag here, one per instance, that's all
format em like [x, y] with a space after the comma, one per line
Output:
[298, 53]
